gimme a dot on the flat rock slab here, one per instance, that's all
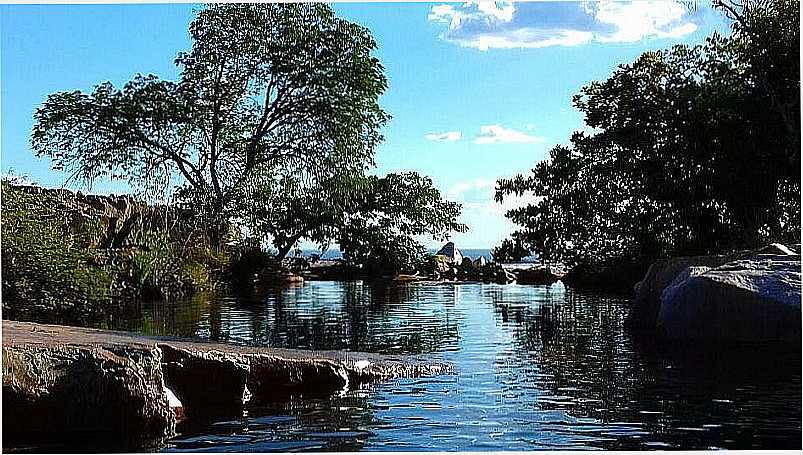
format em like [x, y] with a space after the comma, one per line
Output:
[359, 366]
[371, 366]
[116, 381]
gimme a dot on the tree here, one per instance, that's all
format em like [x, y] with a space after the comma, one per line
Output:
[363, 214]
[270, 96]
[509, 251]
[691, 153]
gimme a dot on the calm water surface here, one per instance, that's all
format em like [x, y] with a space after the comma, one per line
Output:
[537, 367]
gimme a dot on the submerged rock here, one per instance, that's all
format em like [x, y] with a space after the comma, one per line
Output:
[749, 300]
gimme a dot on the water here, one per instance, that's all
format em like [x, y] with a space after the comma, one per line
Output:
[537, 367]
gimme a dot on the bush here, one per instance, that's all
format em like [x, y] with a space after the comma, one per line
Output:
[509, 251]
[54, 269]
[378, 253]
[48, 274]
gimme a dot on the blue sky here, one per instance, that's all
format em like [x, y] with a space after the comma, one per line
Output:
[476, 91]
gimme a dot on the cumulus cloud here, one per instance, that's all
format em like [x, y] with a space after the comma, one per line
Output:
[447, 136]
[487, 25]
[496, 134]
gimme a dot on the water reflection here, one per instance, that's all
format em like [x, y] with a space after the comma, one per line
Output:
[537, 367]
[319, 315]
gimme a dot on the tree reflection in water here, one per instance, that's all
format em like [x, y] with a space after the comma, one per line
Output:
[590, 367]
[537, 367]
[356, 316]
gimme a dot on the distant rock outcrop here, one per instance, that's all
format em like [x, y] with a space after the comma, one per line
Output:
[451, 253]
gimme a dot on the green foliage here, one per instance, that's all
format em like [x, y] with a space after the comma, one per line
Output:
[377, 252]
[509, 251]
[47, 271]
[246, 264]
[55, 270]
[694, 150]
[270, 97]
[394, 208]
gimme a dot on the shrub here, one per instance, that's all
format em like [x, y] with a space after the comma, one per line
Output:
[47, 272]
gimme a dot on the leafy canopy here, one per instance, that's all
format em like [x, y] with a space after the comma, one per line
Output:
[694, 150]
[269, 96]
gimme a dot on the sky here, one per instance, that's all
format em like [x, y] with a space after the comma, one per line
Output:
[477, 91]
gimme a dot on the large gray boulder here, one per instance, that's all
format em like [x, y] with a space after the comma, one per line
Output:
[647, 302]
[752, 300]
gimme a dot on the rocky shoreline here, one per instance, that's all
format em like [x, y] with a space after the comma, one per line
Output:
[68, 382]
[746, 297]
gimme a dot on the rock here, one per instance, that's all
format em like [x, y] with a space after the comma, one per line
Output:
[536, 275]
[277, 276]
[113, 395]
[175, 404]
[275, 378]
[754, 300]
[451, 253]
[647, 302]
[480, 262]
[70, 382]
[777, 248]
[222, 388]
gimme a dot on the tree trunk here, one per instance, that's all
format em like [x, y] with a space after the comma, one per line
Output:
[284, 249]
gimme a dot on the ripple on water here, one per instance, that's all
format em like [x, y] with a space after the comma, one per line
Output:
[537, 367]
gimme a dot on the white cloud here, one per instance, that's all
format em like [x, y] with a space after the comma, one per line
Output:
[496, 134]
[635, 20]
[448, 136]
[493, 25]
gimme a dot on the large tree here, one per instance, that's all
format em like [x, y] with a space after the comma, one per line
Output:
[351, 210]
[694, 150]
[270, 96]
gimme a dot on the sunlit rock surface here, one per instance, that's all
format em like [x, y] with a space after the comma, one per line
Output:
[71, 381]
[748, 300]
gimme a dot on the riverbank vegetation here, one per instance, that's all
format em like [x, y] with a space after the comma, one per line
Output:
[266, 139]
[690, 150]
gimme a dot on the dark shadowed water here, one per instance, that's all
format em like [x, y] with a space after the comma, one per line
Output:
[537, 367]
